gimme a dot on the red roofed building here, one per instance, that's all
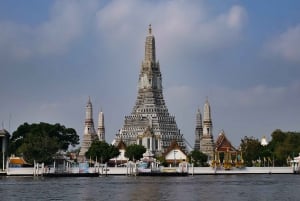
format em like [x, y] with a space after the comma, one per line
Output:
[226, 155]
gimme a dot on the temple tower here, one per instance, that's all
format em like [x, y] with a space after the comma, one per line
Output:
[101, 128]
[89, 134]
[207, 141]
[150, 123]
[198, 130]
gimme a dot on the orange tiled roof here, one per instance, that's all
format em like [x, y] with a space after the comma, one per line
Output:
[223, 144]
[17, 161]
[173, 146]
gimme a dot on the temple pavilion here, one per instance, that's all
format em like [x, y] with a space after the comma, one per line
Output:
[226, 156]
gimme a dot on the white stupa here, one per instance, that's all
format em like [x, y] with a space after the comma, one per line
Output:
[264, 141]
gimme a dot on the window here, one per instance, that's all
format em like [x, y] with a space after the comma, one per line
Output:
[148, 143]
[156, 144]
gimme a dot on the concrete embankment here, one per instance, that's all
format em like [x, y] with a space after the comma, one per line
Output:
[132, 171]
[245, 170]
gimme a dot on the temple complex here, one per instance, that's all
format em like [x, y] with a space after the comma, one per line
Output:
[150, 123]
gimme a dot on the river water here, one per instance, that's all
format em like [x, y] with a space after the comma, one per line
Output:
[201, 187]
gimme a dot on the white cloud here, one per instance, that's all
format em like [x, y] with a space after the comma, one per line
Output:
[286, 45]
[236, 17]
[176, 25]
[64, 26]
[66, 23]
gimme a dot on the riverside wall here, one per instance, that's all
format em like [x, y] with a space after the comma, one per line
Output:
[132, 171]
[245, 170]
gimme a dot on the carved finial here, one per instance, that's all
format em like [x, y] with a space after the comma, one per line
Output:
[150, 29]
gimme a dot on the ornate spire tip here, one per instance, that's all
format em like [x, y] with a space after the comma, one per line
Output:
[150, 29]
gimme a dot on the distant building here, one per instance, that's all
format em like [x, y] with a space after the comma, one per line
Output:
[204, 141]
[150, 123]
[90, 134]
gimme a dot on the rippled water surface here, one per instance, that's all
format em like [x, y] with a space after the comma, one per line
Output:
[202, 187]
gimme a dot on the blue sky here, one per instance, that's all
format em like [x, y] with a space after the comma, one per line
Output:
[243, 55]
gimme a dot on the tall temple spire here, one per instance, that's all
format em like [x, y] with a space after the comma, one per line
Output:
[150, 110]
[207, 142]
[150, 29]
[207, 121]
[89, 111]
[89, 134]
[198, 119]
[207, 113]
[150, 47]
[198, 130]
[101, 128]
[89, 122]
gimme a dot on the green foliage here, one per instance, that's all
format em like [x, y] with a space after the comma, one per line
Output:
[135, 151]
[284, 145]
[41, 141]
[39, 147]
[162, 161]
[102, 151]
[198, 158]
[251, 149]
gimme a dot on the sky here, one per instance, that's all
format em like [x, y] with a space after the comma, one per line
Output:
[244, 56]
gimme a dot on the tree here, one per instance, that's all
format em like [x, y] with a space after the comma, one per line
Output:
[251, 149]
[284, 145]
[199, 158]
[102, 151]
[40, 148]
[135, 151]
[41, 141]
